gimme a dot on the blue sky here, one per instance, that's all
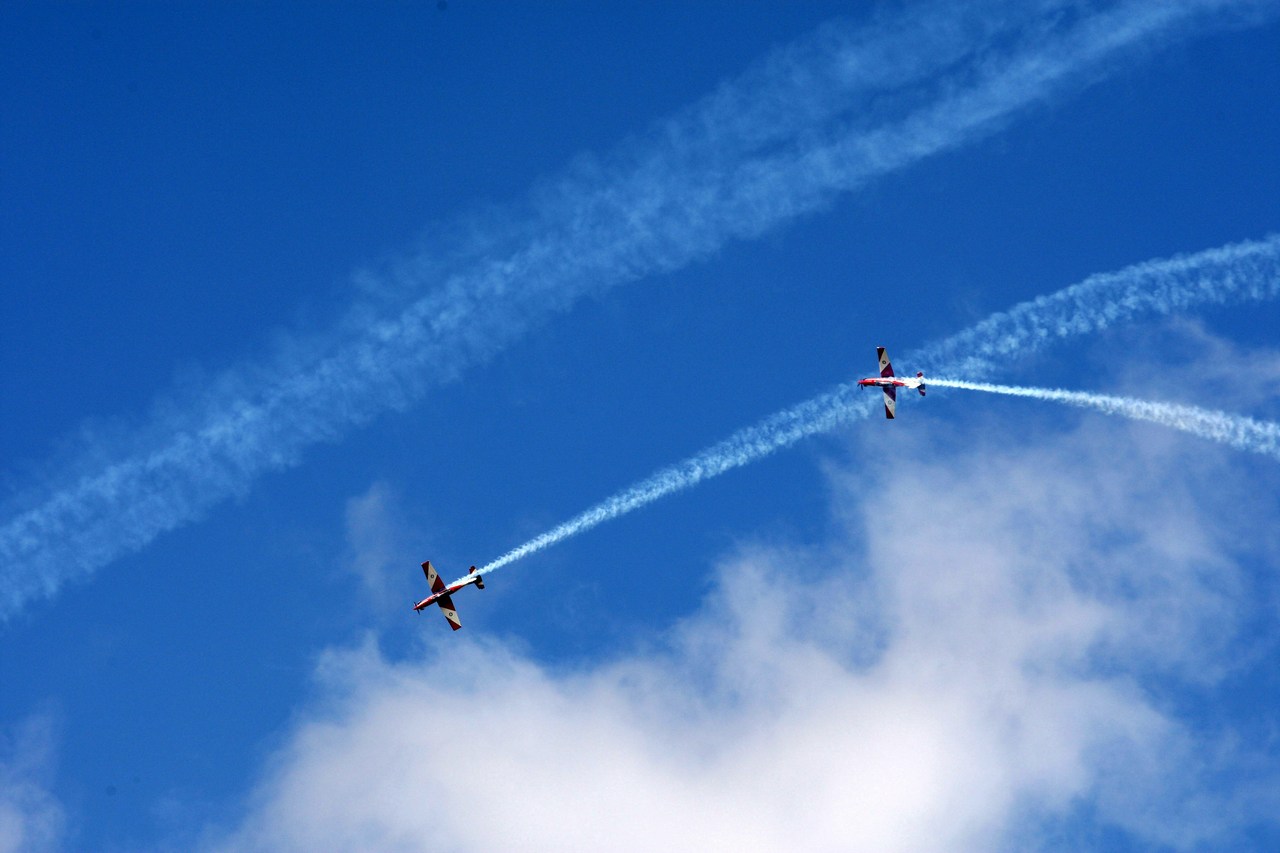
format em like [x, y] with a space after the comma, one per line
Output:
[299, 296]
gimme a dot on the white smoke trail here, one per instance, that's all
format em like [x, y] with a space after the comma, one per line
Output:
[1242, 433]
[1234, 273]
[819, 117]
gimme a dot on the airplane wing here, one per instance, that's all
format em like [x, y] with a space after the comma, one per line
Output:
[886, 369]
[890, 401]
[450, 613]
[433, 579]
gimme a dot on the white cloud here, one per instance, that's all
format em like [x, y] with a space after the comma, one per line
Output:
[31, 819]
[1203, 368]
[988, 651]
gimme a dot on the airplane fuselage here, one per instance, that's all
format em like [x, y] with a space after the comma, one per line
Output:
[891, 382]
[449, 590]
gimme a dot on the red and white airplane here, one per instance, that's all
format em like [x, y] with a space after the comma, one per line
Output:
[890, 383]
[442, 594]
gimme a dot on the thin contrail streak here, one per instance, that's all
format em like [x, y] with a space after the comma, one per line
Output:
[1242, 433]
[820, 117]
[1240, 272]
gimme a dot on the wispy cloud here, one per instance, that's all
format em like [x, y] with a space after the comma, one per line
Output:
[31, 818]
[817, 118]
[947, 683]
[1240, 272]
[377, 540]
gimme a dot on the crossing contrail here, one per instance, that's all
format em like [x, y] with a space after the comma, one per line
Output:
[1240, 272]
[817, 118]
[1236, 431]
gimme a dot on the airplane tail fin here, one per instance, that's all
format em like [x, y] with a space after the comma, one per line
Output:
[920, 387]
[479, 581]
